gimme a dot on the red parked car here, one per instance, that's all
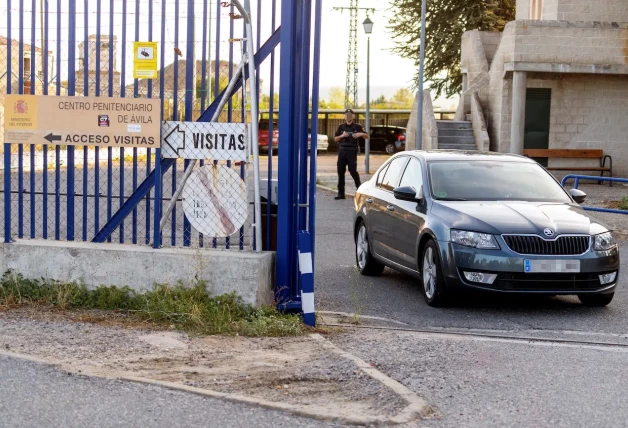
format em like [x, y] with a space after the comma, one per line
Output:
[263, 135]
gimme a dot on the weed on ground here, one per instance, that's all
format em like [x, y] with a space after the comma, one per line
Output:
[191, 309]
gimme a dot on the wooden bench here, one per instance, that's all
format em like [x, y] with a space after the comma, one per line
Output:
[574, 154]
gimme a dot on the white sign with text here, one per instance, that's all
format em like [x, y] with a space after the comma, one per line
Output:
[204, 140]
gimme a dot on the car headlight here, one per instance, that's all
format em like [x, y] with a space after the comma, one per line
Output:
[604, 241]
[483, 241]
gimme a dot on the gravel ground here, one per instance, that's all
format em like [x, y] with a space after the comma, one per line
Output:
[34, 395]
[297, 370]
[484, 383]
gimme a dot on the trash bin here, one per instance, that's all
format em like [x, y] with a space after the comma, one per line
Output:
[272, 245]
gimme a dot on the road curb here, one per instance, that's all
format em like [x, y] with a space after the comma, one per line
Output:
[417, 407]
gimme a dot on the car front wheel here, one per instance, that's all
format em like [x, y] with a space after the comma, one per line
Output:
[596, 299]
[432, 276]
[366, 263]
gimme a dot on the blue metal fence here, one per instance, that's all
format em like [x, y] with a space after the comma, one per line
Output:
[95, 194]
[577, 179]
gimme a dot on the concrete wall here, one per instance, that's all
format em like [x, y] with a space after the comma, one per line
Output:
[250, 275]
[587, 10]
[430, 131]
[523, 9]
[589, 112]
[490, 43]
[480, 132]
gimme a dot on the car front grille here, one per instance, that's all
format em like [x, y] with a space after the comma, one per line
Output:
[535, 245]
[547, 282]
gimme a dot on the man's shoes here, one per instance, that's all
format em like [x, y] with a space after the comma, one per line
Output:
[339, 197]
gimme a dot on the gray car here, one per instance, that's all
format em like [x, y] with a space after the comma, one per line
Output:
[467, 220]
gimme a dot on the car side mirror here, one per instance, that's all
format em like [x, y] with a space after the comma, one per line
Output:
[408, 193]
[578, 195]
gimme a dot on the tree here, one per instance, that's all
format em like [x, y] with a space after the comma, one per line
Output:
[264, 103]
[403, 98]
[447, 20]
[336, 98]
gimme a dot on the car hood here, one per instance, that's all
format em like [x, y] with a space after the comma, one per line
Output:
[517, 217]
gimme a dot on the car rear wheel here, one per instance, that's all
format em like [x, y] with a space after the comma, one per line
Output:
[390, 148]
[366, 263]
[432, 276]
[596, 299]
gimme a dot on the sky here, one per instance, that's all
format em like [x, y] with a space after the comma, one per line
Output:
[388, 71]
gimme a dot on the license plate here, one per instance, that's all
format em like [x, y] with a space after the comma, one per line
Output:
[551, 266]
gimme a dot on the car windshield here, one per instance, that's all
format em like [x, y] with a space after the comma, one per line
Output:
[474, 180]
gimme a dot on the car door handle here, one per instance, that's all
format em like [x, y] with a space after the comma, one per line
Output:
[390, 208]
[369, 200]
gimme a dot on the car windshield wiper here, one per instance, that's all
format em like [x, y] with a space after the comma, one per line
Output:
[452, 199]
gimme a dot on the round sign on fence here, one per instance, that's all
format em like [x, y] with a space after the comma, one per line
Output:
[215, 201]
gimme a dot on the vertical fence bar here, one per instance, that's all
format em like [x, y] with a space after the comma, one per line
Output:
[230, 103]
[286, 234]
[217, 75]
[149, 94]
[157, 234]
[175, 116]
[97, 148]
[204, 83]
[110, 149]
[33, 84]
[45, 92]
[135, 160]
[243, 119]
[7, 146]
[57, 147]
[314, 135]
[71, 92]
[122, 94]
[303, 130]
[270, 131]
[190, 66]
[20, 147]
[86, 93]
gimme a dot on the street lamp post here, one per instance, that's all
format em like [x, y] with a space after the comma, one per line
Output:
[419, 113]
[368, 29]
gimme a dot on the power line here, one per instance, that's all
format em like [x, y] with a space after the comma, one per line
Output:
[351, 85]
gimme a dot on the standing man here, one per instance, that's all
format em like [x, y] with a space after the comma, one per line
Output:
[347, 137]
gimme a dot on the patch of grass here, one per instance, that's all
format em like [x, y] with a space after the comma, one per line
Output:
[619, 205]
[187, 308]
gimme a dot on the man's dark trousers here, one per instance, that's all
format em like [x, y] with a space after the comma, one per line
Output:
[347, 157]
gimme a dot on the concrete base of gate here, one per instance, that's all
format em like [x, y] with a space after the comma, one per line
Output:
[250, 275]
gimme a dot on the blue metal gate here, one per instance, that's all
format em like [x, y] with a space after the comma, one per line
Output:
[117, 195]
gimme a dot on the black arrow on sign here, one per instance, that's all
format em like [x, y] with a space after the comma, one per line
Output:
[173, 141]
[50, 137]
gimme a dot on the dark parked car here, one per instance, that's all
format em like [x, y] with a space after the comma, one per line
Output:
[389, 139]
[465, 220]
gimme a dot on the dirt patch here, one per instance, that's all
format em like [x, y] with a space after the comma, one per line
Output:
[617, 205]
[297, 370]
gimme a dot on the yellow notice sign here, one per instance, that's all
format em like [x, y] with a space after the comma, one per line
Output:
[145, 60]
[83, 121]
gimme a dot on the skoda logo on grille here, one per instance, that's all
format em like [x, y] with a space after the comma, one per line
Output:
[548, 232]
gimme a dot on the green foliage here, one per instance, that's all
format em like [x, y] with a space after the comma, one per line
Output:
[447, 20]
[188, 308]
[623, 204]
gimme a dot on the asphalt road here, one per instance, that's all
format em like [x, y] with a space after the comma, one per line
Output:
[33, 395]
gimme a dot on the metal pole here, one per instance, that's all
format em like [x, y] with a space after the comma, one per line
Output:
[253, 91]
[367, 143]
[419, 128]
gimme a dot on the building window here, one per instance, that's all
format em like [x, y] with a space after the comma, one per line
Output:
[536, 9]
[27, 68]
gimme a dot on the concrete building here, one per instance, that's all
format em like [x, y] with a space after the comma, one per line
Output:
[557, 77]
[31, 81]
[96, 65]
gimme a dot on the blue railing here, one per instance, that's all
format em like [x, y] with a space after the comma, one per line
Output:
[577, 179]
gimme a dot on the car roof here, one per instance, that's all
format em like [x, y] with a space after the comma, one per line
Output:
[456, 155]
[387, 126]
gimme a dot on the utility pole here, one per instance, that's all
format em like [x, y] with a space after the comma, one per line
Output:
[351, 86]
